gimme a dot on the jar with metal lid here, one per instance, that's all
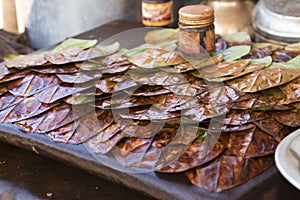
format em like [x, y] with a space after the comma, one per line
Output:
[157, 12]
[277, 21]
[197, 30]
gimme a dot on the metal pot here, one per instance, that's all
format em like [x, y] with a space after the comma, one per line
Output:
[277, 21]
[232, 15]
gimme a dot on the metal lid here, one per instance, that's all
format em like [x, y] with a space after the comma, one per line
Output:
[196, 15]
[278, 19]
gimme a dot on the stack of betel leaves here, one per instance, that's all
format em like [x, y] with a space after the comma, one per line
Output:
[217, 119]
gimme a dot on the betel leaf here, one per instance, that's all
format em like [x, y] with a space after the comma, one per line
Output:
[82, 128]
[104, 50]
[79, 77]
[293, 47]
[57, 92]
[224, 69]
[155, 112]
[198, 153]
[7, 100]
[28, 107]
[32, 84]
[81, 50]
[106, 134]
[54, 69]
[271, 99]
[162, 35]
[199, 113]
[90, 124]
[146, 152]
[64, 133]
[228, 70]
[264, 79]
[292, 64]
[3, 70]
[147, 91]
[271, 126]
[185, 89]
[110, 86]
[250, 143]
[50, 119]
[178, 145]
[228, 171]
[136, 152]
[4, 112]
[292, 91]
[80, 98]
[235, 52]
[239, 38]
[155, 57]
[99, 147]
[12, 77]
[158, 78]
[125, 101]
[195, 64]
[267, 61]
[110, 62]
[137, 50]
[24, 61]
[60, 116]
[74, 46]
[88, 66]
[289, 118]
[274, 47]
[238, 118]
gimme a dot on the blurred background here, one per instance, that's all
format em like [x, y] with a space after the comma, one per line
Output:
[48, 22]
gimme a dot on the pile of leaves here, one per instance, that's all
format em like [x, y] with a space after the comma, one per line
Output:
[152, 107]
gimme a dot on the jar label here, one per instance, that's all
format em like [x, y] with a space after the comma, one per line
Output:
[159, 14]
[189, 43]
[209, 40]
[193, 42]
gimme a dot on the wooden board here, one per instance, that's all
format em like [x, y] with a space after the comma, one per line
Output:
[156, 185]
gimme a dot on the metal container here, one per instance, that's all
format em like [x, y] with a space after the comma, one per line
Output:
[277, 21]
[232, 16]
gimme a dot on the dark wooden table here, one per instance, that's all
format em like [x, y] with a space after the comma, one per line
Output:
[26, 175]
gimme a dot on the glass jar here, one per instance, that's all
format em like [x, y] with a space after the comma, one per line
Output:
[157, 12]
[197, 30]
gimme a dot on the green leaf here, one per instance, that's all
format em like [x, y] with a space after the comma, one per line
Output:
[101, 50]
[292, 64]
[137, 50]
[264, 108]
[267, 61]
[235, 52]
[238, 38]
[78, 98]
[293, 47]
[161, 36]
[88, 66]
[168, 45]
[264, 45]
[73, 43]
